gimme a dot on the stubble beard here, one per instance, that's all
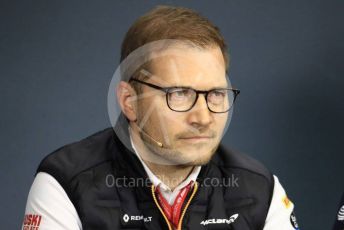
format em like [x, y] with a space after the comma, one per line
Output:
[173, 156]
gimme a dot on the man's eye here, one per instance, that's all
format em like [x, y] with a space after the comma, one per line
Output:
[180, 93]
[217, 96]
[218, 93]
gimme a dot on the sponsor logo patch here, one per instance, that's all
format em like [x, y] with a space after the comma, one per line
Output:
[293, 221]
[287, 203]
[340, 215]
[220, 221]
[127, 218]
[32, 222]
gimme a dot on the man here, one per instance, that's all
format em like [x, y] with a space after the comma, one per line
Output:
[175, 105]
[339, 223]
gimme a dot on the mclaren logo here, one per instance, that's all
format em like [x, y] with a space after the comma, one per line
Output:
[220, 221]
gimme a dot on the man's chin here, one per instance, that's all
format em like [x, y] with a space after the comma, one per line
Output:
[184, 156]
[198, 162]
[191, 160]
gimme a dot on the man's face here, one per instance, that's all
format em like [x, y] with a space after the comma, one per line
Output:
[189, 138]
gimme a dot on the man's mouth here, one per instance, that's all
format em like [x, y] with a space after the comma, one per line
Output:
[196, 138]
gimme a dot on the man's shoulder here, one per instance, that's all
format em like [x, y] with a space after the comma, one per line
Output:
[234, 160]
[71, 159]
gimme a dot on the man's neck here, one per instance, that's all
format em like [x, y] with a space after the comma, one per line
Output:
[170, 175]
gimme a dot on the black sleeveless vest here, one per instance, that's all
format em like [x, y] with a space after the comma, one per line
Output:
[108, 186]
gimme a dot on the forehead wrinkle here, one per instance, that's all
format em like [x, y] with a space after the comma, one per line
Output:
[175, 75]
[155, 78]
[174, 69]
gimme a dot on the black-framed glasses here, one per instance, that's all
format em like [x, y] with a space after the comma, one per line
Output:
[183, 99]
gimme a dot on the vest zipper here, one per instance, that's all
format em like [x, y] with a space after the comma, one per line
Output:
[184, 210]
[162, 212]
[187, 205]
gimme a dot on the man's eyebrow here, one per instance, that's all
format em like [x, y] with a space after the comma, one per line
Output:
[149, 74]
[192, 87]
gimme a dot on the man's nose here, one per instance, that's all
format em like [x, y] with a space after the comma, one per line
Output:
[200, 114]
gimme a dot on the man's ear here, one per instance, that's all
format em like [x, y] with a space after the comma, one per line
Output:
[126, 97]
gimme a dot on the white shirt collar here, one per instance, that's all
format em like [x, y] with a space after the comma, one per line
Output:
[157, 182]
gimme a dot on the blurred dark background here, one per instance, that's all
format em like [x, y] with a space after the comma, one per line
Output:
[57, 59]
